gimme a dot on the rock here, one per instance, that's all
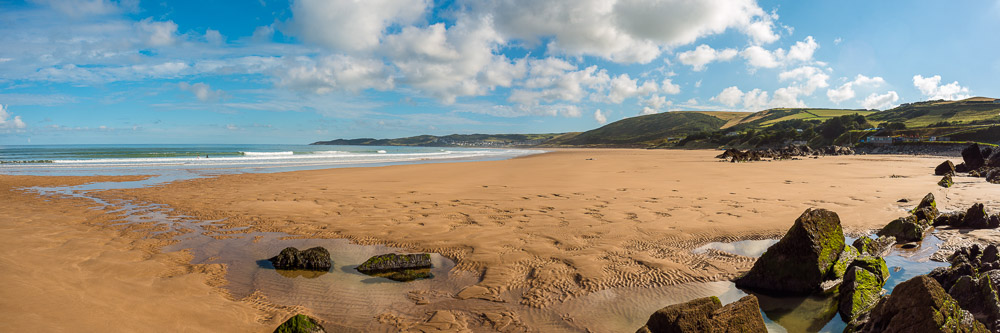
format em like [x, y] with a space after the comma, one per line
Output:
[994, 159]
[920, 305]
[800, 261]
[976, 217]
[961, 167]
[926, 210]
[904, 200]
[862, 286]
[990, 254]
[316, 259]
[904, 229]
[945, 168]
[949, 219]
[993, 176]
[946, 181]
[994, 221]
[973, 156]
[300, 324]
[875, 247]
[979, 297]
[398, 267]
[707, 315]
[844, 261]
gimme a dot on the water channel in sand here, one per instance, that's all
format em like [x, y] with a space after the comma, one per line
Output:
[349, 301]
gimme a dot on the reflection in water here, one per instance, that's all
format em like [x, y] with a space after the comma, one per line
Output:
[290, 273]
[749, 248]
[405, 275]
[800, 314]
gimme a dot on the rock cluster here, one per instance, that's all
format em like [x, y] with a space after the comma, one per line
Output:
[317, 259]
[707, 315]
[971, 280]
[918, 305]
[977, 161]
[911, 228]
[976, 217]
[787, 152]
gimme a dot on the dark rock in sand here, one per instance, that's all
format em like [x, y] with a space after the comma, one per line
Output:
[946, 181]
[993, 176]
[976, 217]
[904, 200]
[875, 247]
[300, 324]
[904, 229]
[707, 315]
[862, 286]
[945, 168]
[926, 209]
[961, 167]
[394, 262]
[953, 219]
[316, 259]
[973, 156]
[920, 305]
[800, 261]
[990, 254]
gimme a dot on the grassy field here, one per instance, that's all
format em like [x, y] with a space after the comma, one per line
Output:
[925, 114]
[815, 114]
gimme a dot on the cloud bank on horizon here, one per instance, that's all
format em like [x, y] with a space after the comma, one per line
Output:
[314, 69]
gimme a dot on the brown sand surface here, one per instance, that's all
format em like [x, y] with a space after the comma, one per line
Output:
[544, 231]
[66, 269]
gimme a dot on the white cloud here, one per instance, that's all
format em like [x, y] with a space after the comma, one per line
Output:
[9, 121]
[214, 37]
[703, 55]
[158, 33]
[730, 96]
[668, 87]
[350, 25]
[884, 101]
[846, 90]
[78, 8]
[807, 78]
[553, 80]
[762, 31]
[757, 56]
[803, 51]
[932, 89]
[338, 72]
[203, 91]
[601, 119]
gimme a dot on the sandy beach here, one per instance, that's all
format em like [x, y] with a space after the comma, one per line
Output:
[531, 236]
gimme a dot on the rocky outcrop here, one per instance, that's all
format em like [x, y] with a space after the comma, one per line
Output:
[874, 247]
[946, 181]
[976, 218]
[300, 324]
[787, 152]
[862, 286]
[945, 168]
[973, 156]
[911, 228]
[316, 259]
[801, 260]
[919, 305]
[707, 315]
[971, 280]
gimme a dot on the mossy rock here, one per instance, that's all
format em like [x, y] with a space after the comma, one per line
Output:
[801, 260]
[859, 292]
[316, 259]
[979, 297]
[708, 315]
[946, 181]
[920, 305]
[843, 262]
[395, 262]
[300, 324]
[874, 247]
[904, 229]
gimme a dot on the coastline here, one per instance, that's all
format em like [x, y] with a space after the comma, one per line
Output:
[536, 231]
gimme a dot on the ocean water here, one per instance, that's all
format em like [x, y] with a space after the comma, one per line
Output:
[128, 159]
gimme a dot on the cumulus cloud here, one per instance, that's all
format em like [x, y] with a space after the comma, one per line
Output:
[9, 121]
[349, 25]
[601, 119]
[803, 50]
[337, 72]
[883, 101]
[807, 78]
[846, 90]
[730, 96]
[158, 33]
[759, 57]
[757, 99]
[932, 88]
[203, 92]
[703, 55]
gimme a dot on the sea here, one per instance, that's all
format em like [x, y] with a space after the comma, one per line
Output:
[214, 159]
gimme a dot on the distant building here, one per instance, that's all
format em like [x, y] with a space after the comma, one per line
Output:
[885, 140]
[996, 101]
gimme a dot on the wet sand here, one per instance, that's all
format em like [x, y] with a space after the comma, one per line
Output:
[539, 241]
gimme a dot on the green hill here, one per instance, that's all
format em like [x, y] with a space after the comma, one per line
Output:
[646, 130]
[923, 114]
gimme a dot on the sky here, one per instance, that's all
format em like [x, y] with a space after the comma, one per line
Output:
[187, 72]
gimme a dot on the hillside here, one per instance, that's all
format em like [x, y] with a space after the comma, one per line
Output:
[771, 116]
[647, 130]
[923, 114]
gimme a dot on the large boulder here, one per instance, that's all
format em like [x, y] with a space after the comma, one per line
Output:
[707, 315]
[874, 247]
[800, 261]
[315, 259]
[862, 286]
[976, 217]
[843, 262]
[904, 229]
[945, 168]
[979, 297]
[300, 324]
[920, 305]
[973, 157]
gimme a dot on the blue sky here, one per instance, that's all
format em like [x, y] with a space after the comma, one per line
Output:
[133, 71]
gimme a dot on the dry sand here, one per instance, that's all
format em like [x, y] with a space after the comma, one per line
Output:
[537, 234]
[66, 270]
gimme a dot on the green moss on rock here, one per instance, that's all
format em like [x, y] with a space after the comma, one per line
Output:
[300, 324]
[946, 181]
[862, 286]
[905, 229]
[920, 305]
[843, 262]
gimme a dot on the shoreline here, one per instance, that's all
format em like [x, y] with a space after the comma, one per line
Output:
[547, 257]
